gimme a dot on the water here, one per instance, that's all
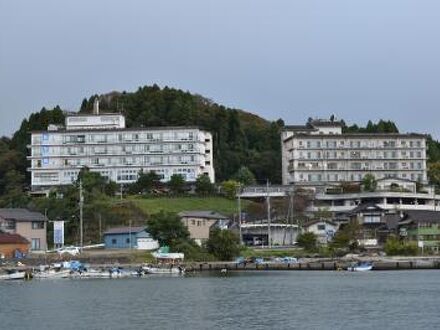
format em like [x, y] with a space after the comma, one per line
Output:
[248, 300]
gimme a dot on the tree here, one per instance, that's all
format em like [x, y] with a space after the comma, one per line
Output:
[244, 176]
[204, 185]
[369, 182]
[223, 244]
[230, 188]
[434, 173]
[394, 246]
[145, 183]
[167, 228]
[307, 241]
[347, 236]
[176, 184]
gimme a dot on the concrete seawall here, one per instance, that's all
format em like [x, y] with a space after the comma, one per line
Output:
[325, 265]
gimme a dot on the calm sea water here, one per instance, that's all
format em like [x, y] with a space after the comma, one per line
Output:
[257, 300]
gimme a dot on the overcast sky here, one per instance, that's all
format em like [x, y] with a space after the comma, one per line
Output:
[288, 59]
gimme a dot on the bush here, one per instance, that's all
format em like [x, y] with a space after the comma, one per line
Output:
[223, 244]
[307, 241]
[394, 247]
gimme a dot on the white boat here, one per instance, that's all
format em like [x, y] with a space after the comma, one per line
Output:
[53, 273]
[361, 267]
[13, 275]
[177, 270]
[105, 273]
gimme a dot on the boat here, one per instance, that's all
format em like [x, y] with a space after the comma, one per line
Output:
[13, 275]
[176, 270]
[52, 273]
[363, 266]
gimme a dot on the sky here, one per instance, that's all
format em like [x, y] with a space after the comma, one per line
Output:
[358, 60]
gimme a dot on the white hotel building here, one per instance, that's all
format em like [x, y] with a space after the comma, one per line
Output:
[318, 153]
[102, 143]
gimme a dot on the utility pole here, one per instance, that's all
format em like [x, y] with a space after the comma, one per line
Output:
[81, 205]
[269, 236]
[239, 213]
[129, 233]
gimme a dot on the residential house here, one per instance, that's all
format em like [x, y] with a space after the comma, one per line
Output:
[12, 245]
[129, 238]
[323, 229]
[422, 227]
[30, 225]
[200, 223]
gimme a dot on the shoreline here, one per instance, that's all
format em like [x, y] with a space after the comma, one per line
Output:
[397, 263]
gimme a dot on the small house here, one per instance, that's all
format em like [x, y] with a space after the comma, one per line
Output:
[31, 225]
[13, 245]
[323, 229]
[129, 238]
[200, 223]
[422, 227]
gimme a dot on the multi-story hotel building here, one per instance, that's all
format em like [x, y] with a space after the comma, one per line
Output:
[102, 143]
[318, 153]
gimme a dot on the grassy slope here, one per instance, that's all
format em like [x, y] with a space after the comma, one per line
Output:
[178, 204]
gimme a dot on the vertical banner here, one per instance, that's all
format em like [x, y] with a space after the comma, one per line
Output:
[58, 232]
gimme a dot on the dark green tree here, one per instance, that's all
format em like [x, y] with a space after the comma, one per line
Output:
[244, 176]
[145, 183]
[307, 241]
[369, 182]
[167, 228]
[176, 184]
[223, 244]
[204, 185]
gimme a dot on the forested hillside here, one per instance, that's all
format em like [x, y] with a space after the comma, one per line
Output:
[240, 138]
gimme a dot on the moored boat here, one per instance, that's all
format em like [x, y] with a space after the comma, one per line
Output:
[14, 275]
[176, 270]
[361, 267]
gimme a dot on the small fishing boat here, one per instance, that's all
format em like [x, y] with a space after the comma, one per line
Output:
[363, 266]
[13, 275]
[53, 273]
[176, 270]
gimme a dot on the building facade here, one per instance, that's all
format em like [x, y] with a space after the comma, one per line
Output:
[318, 153]
[200, 223]
[31, 225]
[102, 143]
[129, 238]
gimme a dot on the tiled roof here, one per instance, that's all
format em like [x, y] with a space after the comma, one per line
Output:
[12, 239]
[202, 214]
[124, 230]
[369, 207]
[21, 215]
[421, 216]
[312, 222]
